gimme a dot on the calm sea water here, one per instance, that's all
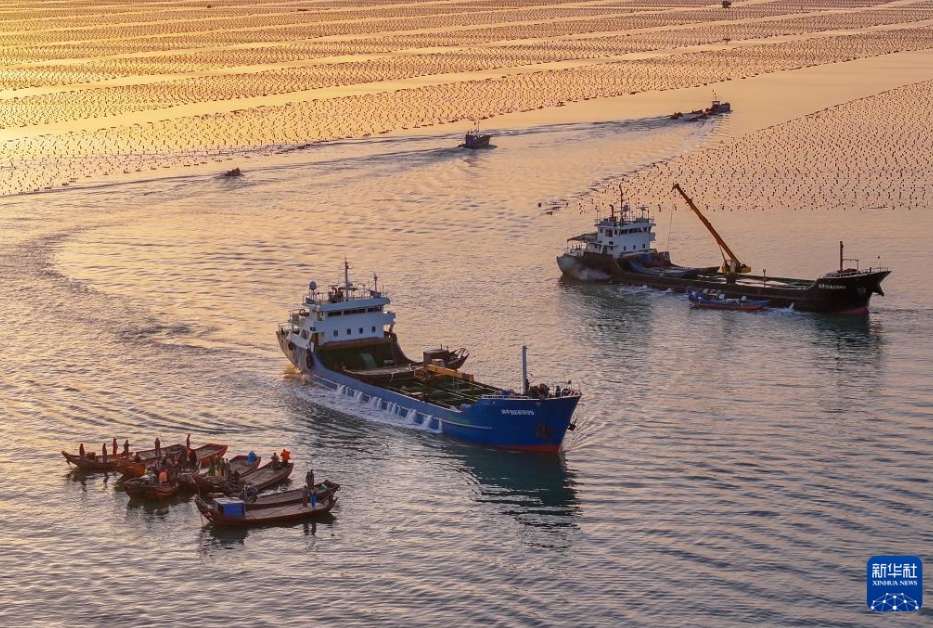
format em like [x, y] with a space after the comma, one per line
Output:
[729, 469]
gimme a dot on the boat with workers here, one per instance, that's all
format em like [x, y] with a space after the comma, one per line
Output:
[138, 465]
[232, 511]
[717, 107]
[474, 139]
[343, 339]
[718, 301]
[621, 251]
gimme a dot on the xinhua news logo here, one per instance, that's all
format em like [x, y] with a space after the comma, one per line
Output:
[895, 584]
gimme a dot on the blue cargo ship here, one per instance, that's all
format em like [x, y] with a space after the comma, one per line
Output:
[344, 339]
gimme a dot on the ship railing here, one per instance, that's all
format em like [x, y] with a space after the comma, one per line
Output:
[340, 295]
[852, 272]
[540, 391]
[576, 247]
[583, 237]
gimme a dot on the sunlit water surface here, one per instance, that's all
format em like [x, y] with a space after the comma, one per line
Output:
[728, 469]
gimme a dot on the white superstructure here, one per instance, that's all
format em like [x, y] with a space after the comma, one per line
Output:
[617, 235]
[344, 313]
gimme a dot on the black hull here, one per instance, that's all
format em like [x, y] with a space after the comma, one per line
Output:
[843, 294]
[476, 141]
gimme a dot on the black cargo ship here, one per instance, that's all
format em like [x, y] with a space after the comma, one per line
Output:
[620, 251]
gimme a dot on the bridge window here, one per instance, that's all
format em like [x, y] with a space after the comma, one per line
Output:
[336, 333]
[361, 330]
[349, 332]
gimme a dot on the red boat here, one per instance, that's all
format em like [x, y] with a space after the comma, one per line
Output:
[205, 453]
[196, 480]
[150, 488]
[229, 511]
[90, 462]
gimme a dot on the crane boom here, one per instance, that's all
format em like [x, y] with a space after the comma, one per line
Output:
[736, 266]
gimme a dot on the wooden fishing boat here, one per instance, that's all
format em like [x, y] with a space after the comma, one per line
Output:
[325, 490]
[93, 462]
[90, 462]
[719, 302]
[474, 139]
[230, 511]
[148, 488]
[264, 476]
[205, 453]
[146, 457]
[198, 480]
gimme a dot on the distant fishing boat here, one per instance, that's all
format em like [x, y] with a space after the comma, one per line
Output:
[620, 251]
[343, 339]
[474, 139]
[717, 107]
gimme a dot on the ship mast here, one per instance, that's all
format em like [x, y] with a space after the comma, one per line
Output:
[346, 276]
[731, 267]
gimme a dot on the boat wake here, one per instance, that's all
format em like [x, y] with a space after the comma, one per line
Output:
[355, 403]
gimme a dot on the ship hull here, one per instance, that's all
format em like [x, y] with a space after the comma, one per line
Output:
[506, 421]
[843, 294]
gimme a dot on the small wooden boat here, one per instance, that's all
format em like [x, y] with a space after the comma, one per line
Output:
[196, 480]
[474, 139]
[717, 302]
[90, 462]
[150, 488]
[205, 453]
[325, 490]
[93, 462]
[230, 511]
[265, 476]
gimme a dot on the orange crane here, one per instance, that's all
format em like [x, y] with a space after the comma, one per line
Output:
[730, 267]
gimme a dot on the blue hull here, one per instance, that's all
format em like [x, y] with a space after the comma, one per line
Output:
[508, 422]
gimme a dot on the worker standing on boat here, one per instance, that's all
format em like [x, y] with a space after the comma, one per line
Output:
[275, 460]
[81, 450]
[286, 456]
[158, 448]
[105, 453]
[309, 478]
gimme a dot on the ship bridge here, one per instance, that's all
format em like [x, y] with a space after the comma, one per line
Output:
[618, 235]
